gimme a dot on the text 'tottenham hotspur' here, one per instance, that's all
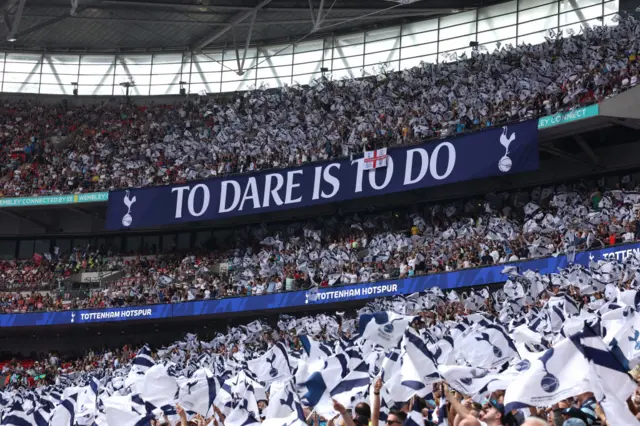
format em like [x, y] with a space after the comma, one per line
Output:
[354, 292]
[116, 314]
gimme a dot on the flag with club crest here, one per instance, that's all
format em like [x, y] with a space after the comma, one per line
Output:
[383, 328]
[272, 366]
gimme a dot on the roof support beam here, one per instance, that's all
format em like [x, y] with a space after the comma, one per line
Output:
[213, 37]
[55, 72]
[215, 8]
[246, 44]
[320, 18]
[316, 19]
[13, 23]
[260, 23]
[579, 13]
[313, 17]
[55, 20]
[34, 70]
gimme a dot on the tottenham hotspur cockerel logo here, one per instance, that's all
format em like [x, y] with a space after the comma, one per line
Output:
[127, 219]
[505, 162]
[311, 296]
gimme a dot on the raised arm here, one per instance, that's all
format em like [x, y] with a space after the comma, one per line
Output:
[346, 416]
[375, 410]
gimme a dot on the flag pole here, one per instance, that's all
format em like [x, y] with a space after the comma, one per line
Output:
[310, 414]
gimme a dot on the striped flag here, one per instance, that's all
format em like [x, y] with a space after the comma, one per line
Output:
[143, 360]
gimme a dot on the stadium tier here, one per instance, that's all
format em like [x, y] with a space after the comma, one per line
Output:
[392, 246]
[59, 150]
[391, 351]
[430, 219]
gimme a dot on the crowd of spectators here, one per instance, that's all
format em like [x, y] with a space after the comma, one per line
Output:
[499, 229]
[550, 313]
[540, 327]
[58, 149]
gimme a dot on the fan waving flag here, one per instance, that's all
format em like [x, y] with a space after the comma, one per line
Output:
[143, 360]
[158, 387]
[198, 393]
[608, 377]
[626, 342]
[64, 413]
[492, 346]
[559, 373]
[414, 417]
[314, 349]
[354, 383]
[272, 366]
[284, 407]
[375, 159]
[324, 376]
[383, 328]
[416, 353]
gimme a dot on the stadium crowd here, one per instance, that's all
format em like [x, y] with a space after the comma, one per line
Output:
[61, 149]
[499, 229]
[559, 349]
[548, 350]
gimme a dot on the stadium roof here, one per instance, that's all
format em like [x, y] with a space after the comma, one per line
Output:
[107, 26]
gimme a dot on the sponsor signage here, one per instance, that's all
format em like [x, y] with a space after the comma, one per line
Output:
[53, 200]
[567, 117]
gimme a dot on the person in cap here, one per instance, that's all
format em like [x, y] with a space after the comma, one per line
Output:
[493, 414]
[588, 403]
[573, 417]
[574, 421]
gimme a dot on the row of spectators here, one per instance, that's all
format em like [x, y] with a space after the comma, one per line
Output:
[361, 248]
[62, 149]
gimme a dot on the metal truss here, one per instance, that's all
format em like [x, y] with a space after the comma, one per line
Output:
[206, 9]
[316, 19]
[75, 10]
[11, 16]
[239, 17]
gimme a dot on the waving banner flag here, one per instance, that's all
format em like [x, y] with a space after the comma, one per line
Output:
[143, 360]
[383, 328]
[559, 373]
[198, 393]
[273, 365]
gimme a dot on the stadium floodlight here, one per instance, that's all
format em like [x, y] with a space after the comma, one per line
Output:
[127, 85]
[11, 39]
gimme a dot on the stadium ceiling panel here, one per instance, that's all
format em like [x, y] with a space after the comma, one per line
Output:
[121, 26]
